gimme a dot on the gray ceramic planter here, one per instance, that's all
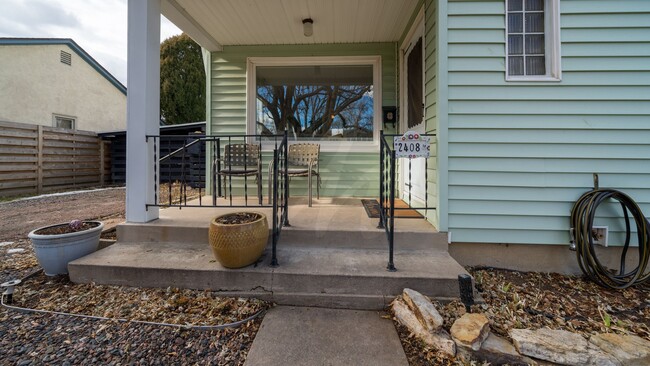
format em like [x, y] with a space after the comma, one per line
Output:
[53, 252]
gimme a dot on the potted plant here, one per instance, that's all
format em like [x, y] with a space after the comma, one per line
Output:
[238, 239]
[56, 245]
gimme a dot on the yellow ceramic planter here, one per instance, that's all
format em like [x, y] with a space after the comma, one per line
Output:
[238, 245]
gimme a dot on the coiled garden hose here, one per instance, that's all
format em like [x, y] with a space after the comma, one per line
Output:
[582, 221]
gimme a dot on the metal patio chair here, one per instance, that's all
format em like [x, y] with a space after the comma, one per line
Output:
[303, 162]
[240, 160]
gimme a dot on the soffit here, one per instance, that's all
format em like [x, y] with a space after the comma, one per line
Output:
[260, 22]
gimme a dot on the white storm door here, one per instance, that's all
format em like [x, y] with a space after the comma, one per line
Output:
[413, 170]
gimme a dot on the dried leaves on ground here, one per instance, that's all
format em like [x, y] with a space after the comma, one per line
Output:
[175, 306]
[419, 353]
[56, 339]
[533, 300]
[17, 259]
[42, 339]
[177, 193]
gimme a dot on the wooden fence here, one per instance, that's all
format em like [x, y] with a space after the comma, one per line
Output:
[40, 159]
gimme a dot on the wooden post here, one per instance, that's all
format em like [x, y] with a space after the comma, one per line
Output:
[39, 163]
[101, 162]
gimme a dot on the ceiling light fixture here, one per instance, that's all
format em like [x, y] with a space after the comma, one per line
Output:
[308, 27]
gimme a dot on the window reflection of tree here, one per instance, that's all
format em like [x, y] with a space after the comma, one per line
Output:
[317, 111]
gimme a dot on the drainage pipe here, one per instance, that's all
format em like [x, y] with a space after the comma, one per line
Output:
[122, 320]
[582, 240]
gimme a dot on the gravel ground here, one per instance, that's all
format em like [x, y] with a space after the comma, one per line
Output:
[37, 339]
[27, 339]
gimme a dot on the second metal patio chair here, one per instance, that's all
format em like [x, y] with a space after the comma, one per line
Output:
[303, 162]
[241, 160]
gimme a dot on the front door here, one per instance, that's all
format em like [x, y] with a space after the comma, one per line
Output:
[413, 170]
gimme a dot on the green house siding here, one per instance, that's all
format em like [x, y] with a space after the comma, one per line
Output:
[344, 174]
[521, 153]
[431, 102]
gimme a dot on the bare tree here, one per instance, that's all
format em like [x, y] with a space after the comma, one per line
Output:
[311, 110]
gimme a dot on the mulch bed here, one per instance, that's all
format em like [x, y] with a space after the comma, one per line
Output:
[170, 305]
[27, 339]
[533, 300]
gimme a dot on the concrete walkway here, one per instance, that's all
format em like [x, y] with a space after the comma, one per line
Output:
[316, 336]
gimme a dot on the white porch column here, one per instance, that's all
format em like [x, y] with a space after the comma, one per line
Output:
[143, 107]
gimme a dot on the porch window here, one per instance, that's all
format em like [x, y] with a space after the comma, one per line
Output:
[325, 100]
[533, 46]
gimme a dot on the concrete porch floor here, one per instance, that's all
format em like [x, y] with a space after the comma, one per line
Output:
[332, 255]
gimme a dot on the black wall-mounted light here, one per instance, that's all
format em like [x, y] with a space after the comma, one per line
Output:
[389, 115]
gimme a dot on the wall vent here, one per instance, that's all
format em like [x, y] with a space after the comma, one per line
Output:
[66, 58]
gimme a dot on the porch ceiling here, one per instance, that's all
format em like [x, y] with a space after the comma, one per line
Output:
[213, 23]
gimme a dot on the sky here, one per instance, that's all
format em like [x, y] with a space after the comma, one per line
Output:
[98, 26]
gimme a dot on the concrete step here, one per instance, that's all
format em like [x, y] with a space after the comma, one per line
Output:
[337, 223]
[306, 276]
[292, 236]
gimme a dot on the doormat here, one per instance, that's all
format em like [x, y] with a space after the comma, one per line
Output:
[373, 210]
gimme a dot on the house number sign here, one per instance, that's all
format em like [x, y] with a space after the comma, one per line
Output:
[412, 145]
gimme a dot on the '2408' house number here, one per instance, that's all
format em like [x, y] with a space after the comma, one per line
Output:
[412, 145]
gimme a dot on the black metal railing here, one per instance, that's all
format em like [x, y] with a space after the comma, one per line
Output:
[235, 161]
[387, 194]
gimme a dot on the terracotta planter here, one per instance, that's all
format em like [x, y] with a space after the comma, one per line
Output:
[238, 245]
[53, 252]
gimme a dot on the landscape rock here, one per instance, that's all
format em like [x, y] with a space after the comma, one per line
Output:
[470, 330]
[440, 340]
[496, 351]
[423, 309]
[560, 346]
[630, 350]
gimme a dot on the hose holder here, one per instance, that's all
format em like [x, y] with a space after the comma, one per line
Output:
[9, 287]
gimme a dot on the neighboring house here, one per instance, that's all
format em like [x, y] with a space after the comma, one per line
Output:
[54, 82]
[527, 99]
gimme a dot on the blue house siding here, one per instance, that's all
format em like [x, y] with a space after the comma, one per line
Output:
[521, 153]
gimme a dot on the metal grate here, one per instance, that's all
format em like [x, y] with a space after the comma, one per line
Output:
[66, 58]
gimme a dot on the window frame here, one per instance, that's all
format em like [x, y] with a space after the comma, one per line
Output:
[328, 146]
[552, 45]
[56, 116]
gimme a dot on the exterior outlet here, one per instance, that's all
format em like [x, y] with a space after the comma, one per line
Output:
[599, 234]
